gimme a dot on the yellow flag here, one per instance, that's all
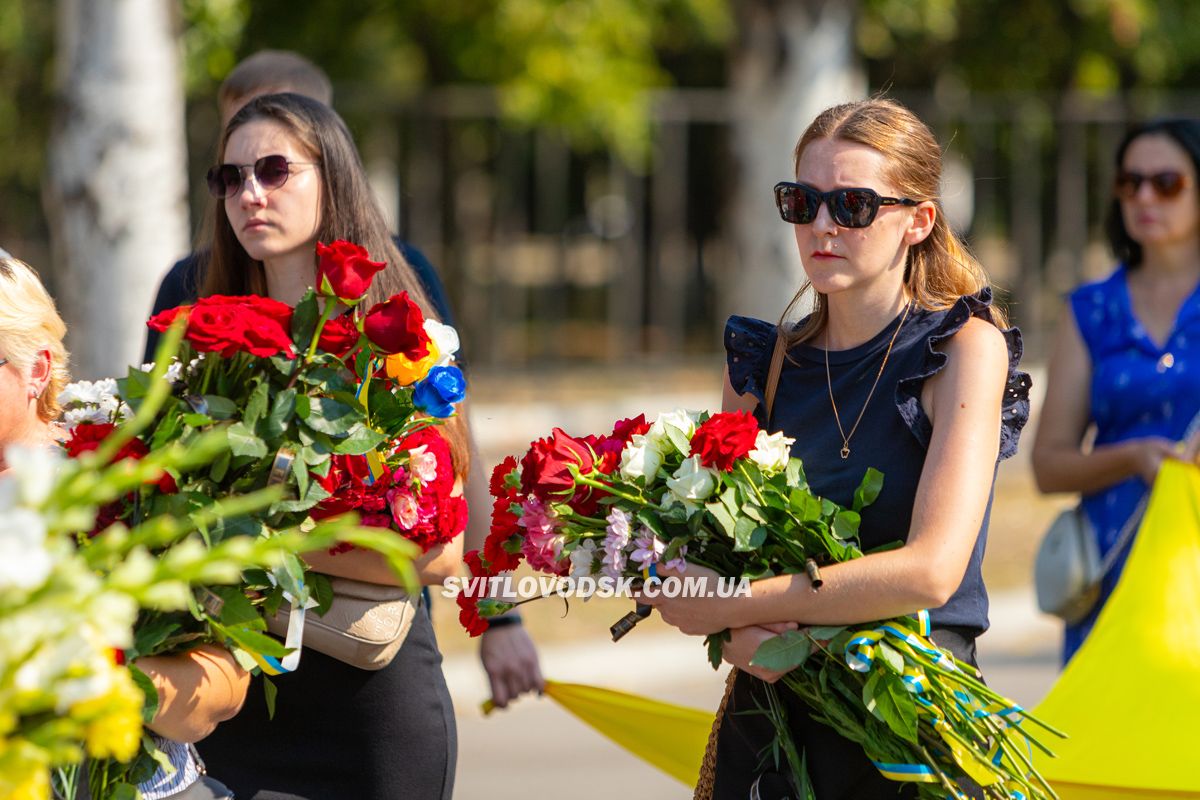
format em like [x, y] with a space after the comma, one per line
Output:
[1130, 697]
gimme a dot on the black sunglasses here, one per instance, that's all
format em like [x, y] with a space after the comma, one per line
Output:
[271, 172]
[1165, 184]
[799, 204]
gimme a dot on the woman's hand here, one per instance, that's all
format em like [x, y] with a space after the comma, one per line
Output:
[511, 663]
[695, 616]
[197, 690]
[1148, 454]
[744, 643]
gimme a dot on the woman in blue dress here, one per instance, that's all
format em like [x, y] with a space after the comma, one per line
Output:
[1125, 370]
[904, 366]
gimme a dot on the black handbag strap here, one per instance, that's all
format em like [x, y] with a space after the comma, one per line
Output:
[773, 373]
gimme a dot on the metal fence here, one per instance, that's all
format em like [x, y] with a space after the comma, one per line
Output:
[552, 254]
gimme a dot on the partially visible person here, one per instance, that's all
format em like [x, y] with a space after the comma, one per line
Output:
[197, 690]
[506, 651]
[1124, 376]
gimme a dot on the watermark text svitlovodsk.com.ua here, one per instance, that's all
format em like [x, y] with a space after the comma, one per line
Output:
[527, 587]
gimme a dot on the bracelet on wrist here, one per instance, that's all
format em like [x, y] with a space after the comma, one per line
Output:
[504, 621]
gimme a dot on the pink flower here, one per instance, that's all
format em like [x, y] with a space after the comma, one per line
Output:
[542, 545]
[679, 562]
[423, 464]
[648, 548]
[405, 509]
[615, 543]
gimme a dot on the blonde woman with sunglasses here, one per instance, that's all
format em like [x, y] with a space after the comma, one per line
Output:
[1125, 371]
[905, 366]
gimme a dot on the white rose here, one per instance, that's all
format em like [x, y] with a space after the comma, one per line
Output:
[640, 459]
[445, 338]
[674, 429]
[24, 560]
[582, 558]
[772, 451]
[692, 481]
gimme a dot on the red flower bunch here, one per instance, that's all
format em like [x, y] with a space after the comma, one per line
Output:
[724, 438]
[546, 467]
[468, 599]
[87, 436]
[227, 325]
[607, 449]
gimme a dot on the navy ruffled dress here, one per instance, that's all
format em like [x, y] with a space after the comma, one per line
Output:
[892, 437]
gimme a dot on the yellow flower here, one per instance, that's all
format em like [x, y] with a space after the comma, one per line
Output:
[113, 721]
[406, 372]
[24, 773]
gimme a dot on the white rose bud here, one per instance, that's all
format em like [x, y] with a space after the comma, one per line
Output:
[772, 452]
[674, 430]
[692, 481]
[640, 459]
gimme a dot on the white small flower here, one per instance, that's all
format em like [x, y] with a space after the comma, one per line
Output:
[772, 451]
[445, 337]
[640, 459]
[582, 558]
[79, 392]
[25, 562]
[32, 471]
[692, 481]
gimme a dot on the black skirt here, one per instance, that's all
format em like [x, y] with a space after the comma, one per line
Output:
[340, 732]
[837, 767]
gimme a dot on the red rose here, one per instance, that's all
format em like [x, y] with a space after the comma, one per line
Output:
[398, 326]
[229, 325]
[338, 336]
[626, 429]
[545, 468]
[724, 438]
[345, 271]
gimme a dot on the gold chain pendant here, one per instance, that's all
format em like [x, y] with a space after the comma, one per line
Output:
[845, 452]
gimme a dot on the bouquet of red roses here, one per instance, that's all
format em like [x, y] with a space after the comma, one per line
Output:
[338, 413]
[719, 492]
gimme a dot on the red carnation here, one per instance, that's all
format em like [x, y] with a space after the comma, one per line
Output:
[468, 615]
[398, 326]
[545, 469]
[345, 271]
[338, 336]
[497, 485]
[724, 438]
[435, 445]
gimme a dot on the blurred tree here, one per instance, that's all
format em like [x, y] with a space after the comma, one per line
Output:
[117, 190]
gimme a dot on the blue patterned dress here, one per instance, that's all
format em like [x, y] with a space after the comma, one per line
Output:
[1138, 389]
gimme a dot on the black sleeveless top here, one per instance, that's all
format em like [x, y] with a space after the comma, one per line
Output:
[894, 432]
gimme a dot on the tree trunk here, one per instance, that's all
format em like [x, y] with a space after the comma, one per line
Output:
[117, 193]
[794, 60]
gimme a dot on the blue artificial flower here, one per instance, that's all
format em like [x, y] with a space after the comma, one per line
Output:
[439, 391]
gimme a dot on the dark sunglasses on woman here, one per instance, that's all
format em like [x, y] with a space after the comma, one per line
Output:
[271, 172]
[799, 204]
[1165, 184]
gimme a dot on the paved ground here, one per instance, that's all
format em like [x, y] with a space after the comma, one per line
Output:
[536, 745]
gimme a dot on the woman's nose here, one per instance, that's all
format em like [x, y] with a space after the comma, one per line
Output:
[823, 223]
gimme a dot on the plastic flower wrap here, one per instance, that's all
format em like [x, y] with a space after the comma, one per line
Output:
[719, 492]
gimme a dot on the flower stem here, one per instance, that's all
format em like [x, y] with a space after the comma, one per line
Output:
[595, 484]
[326, 313]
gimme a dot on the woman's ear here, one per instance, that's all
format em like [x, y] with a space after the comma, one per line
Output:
[924, 216]
[39, 373]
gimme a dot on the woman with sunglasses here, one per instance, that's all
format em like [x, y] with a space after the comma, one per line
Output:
[903, 365]
[289, 176]
[1125, 370]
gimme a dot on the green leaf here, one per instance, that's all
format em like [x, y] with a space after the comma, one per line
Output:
[256, 405]
[754, 512]
[794, 472]
[220, 407]
[652, 521]
[360, 440]
[806, 507]
[243, 442]
[326, 415]
[784, 652]
[748, 535]
[149, 634]
[322, 591]
[197, 420]
[723, 518]
[220, 466]
[845, 524]
[886, 698]
[269, 694]
[300, 472]
[236, 608]
[715, 643]
[891, 657]
[255, 642]
[869, 489]
[826, 633]
[282, 409]
[304, 321]
[143, 682]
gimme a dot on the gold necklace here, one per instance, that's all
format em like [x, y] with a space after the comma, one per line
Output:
[829, 383]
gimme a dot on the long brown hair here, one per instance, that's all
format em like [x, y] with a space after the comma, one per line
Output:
[348, 211]
[940, 269]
